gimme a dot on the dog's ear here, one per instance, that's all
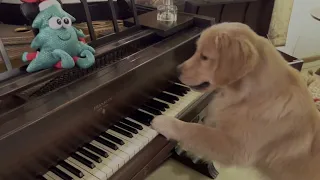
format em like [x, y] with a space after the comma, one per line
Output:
[237, 57]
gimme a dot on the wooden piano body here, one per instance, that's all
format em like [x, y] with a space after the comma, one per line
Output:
[46, 116]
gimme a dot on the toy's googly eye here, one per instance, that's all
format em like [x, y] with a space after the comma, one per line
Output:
[66, 22]
[55, 23]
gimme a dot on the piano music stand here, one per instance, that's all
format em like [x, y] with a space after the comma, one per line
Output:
[113, 13]
[89, 20]
[98, 41]
[162, 28]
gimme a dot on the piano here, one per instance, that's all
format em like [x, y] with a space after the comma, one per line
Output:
[95, 123]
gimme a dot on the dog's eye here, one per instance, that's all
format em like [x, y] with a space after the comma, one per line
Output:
[203, 57]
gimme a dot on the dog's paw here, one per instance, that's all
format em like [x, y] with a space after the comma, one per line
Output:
[165, 125]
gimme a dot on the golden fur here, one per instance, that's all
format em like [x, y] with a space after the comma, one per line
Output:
[263, 113]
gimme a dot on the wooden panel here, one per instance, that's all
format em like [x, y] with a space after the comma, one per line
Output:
[265, 14]
[234, 12]
[252, 15]
[211, 11]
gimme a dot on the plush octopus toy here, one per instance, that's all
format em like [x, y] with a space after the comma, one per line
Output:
[60, 44]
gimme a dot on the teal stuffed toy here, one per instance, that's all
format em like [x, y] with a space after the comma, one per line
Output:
[61, 45]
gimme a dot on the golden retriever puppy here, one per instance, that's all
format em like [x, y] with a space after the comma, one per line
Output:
[263, 113]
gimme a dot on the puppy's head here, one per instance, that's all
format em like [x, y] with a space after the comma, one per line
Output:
[225, 53]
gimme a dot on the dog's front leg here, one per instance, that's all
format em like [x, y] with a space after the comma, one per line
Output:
[208, 142]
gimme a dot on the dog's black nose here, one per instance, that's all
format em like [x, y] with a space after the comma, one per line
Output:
[179, 71]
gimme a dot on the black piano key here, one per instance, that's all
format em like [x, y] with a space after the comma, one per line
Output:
[60, 173]
[181, 87]
[90, 155]
[107, 143]
[151, 110]
[177, 88]
[132, 124]
[174, 91]
[128, 128]
[83, 160]
[162, 104]
[135, 117]
[157, 105]
[41, 178]
[96, 150]
[168, 101]
[142, 122]
[148, 104]
[71, 168]
[167, 98]
[142, 115]
[123, 132]
[112, 138]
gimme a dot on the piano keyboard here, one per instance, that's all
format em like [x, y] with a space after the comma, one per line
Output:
[107, 153]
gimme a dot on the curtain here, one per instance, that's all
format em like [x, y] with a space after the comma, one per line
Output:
[280, 22]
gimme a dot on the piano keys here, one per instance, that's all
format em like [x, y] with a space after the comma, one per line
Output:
[110, 150]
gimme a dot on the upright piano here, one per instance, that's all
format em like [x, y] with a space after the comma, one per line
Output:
[95, 123]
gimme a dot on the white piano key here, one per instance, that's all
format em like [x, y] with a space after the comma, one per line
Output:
[129, 147]
[130, 151]
[147, 129]
[130, 144]
[106, 165]
[92, 174]
[181, 84]
[113, 159]
[140, 138]
[47, 176]
[144, 133]
[104, 168]
[144, 129]
[150, 132]
[173, 94]
[114, 156]
[171, 106]
[117, 152]
[183, 102]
